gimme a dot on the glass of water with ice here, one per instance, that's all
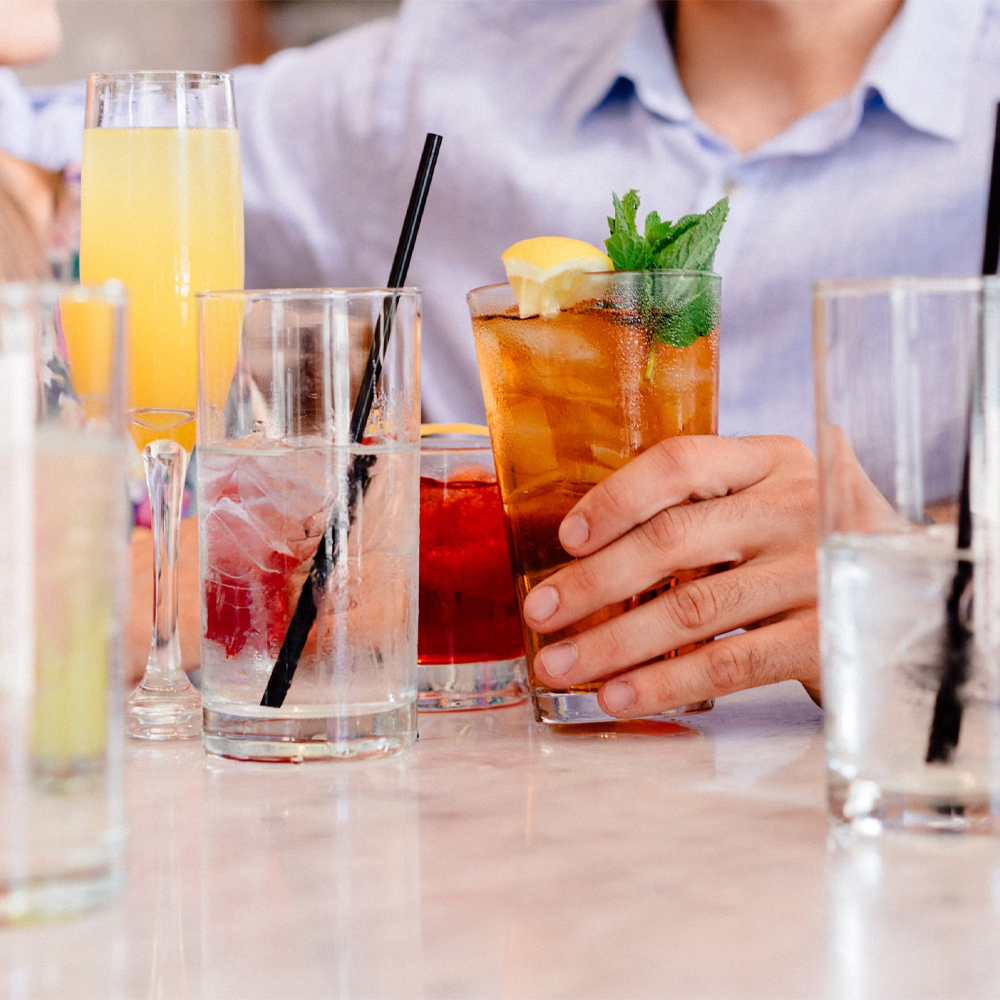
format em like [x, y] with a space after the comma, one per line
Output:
[294, 508]
[908, 385]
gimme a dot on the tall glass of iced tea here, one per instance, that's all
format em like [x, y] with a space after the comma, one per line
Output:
[572, 397]
[469, 648]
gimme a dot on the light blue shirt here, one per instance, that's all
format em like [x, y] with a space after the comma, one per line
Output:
[546, 108]
[43, 125]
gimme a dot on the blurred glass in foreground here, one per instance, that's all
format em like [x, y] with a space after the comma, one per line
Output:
[63, 545]
[906, 368]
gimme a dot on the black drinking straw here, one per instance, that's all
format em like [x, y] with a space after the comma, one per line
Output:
[358, 476]
[947, 723]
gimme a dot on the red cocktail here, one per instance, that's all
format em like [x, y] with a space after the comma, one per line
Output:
[469, 646]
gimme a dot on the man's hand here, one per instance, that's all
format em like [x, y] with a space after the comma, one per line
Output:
[140, 626]
[755, 511]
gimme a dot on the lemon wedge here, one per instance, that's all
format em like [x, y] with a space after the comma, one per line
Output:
[545, 272]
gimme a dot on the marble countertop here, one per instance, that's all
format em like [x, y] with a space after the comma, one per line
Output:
[500, 859]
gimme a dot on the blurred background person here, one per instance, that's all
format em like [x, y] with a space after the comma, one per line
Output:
[29, 32]
[852, 137]
[27, 205]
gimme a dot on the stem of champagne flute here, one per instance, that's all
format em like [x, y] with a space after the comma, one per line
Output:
[166, 465]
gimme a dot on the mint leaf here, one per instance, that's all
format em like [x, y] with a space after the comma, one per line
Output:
[655, 229]
[694, 241]
[625, 209]
[658, 234]
[696, 317]
[680, 227]
[677, 311]
[628, 251]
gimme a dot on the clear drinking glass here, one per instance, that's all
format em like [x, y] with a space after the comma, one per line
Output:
[909, 742]
[572, 397]
[469, 644]
[282, 489]
[63, 570]
[162, 211]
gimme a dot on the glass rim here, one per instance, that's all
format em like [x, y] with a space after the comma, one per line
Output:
[673, 272]
[833, 288]
[307, 294]
[443, 444]
[159, 76]
[14, 294]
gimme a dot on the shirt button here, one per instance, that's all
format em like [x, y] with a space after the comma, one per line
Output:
[731, 186]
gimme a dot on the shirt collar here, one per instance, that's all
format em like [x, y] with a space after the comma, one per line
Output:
[919, 67]
[648, 62]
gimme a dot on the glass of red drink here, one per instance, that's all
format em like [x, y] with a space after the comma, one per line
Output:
[470, 649]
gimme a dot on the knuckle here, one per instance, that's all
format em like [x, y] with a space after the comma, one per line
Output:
[585, 578]
[729, 666]
[788, 455]
[676, 457]
[659, 690]
[616, 496]
[692, 606]
[803, 455]
[666, 529]
[611, 643]
[781, 591]
[798, 512]
[801, 466]
[785, 448]
[786, 501]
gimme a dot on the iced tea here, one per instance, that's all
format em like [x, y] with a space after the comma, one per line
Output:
[570, 399]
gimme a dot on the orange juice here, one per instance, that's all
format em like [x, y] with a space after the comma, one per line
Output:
[162, 211]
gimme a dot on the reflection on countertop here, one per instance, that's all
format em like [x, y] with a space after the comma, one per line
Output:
[503, 859]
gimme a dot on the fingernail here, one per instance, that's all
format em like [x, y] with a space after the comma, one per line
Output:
[574, 531]
[618, 697]
[541, 603]
[558, 659]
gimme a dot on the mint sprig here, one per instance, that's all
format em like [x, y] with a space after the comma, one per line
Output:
[678, 313]
[687, 244]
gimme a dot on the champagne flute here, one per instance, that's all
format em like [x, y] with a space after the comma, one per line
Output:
[162, 211]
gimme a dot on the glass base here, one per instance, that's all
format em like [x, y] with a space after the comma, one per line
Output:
[62, 896]
[865, 807]
[163, 715]
[340, 737]
[567, 708]
[449, 687]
